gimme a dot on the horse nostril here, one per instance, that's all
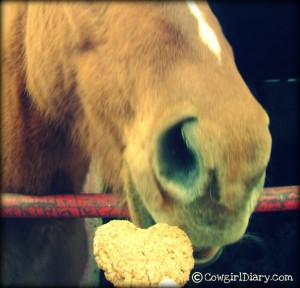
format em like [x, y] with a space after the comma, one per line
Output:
[177, 159]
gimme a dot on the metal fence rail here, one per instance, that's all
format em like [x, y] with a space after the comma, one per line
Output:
[110, 206]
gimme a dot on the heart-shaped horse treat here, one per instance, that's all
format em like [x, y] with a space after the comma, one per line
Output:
[134, 257]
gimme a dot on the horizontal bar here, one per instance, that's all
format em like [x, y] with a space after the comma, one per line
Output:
[66, 206]
[279, 199]
[110, 206]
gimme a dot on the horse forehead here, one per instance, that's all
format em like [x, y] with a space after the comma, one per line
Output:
[206, 33]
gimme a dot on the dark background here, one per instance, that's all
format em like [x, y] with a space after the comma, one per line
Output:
[264, 38]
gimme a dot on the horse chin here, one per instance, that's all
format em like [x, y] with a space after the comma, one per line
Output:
[206, 256]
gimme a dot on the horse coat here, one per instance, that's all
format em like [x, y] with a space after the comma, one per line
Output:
[149, 89]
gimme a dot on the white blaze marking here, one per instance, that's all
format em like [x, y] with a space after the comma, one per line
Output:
[206, 33]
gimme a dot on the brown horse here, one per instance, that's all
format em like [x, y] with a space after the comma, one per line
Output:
[150, 89]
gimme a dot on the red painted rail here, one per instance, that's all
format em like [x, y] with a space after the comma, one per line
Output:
[109, 206]
[68, 205]
[279, 199]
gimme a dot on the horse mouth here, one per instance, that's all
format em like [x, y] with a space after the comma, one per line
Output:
[206, 256]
